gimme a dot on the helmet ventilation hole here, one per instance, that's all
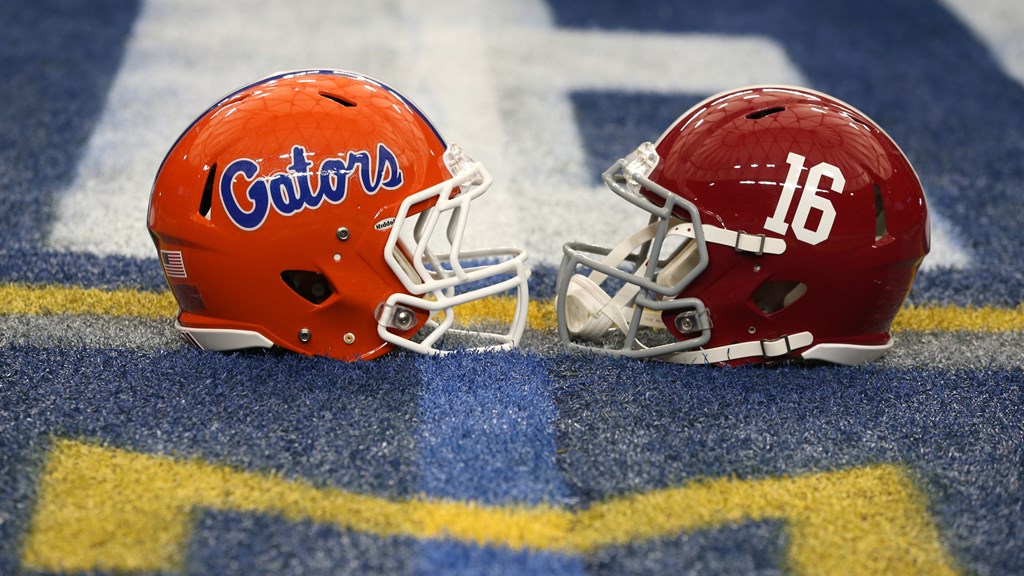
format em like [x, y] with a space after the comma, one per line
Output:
[860, 121]
[206, 200]
[312, 286]
[766, 112]
[339, 100]
[776, 295]
[881, 228]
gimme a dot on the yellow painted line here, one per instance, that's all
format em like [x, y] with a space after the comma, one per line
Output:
[47, 300]
[44, 300]
[540, 315]
[960, 319]
[108, 509]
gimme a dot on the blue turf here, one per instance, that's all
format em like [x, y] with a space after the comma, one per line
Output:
[461, 559]
[568, 430]
[755, 548]
[643, 425]
[57, 60]
[487, 434]
[258, 545]
[503, 398]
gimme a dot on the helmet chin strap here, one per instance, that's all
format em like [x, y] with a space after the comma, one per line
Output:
[761, 348]
[590, 311]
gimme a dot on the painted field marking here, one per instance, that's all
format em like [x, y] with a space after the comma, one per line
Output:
[102, 508]
[42, 300]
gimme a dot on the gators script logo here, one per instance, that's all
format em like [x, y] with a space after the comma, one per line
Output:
[299, 187]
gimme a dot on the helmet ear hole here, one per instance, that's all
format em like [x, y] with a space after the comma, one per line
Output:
[776, 295]
[881, 228]
[312, 286]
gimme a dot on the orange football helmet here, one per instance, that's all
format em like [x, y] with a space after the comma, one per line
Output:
[320, 211]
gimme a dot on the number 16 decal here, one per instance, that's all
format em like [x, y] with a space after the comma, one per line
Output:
[809, 200]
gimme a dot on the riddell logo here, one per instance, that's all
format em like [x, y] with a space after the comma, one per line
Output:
[299, 187]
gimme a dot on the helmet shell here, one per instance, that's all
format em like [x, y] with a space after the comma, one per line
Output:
[855, 220]
[272, 210]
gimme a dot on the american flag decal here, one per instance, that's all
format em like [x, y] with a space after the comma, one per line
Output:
[174, 266]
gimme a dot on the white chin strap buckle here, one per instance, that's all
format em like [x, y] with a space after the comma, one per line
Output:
[589, 310]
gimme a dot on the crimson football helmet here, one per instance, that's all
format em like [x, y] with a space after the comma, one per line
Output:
[321, 212]
[784, 224]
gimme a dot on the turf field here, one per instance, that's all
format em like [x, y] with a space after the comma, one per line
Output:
[124, 451]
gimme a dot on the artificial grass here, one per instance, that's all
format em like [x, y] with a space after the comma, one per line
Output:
[610, 465]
